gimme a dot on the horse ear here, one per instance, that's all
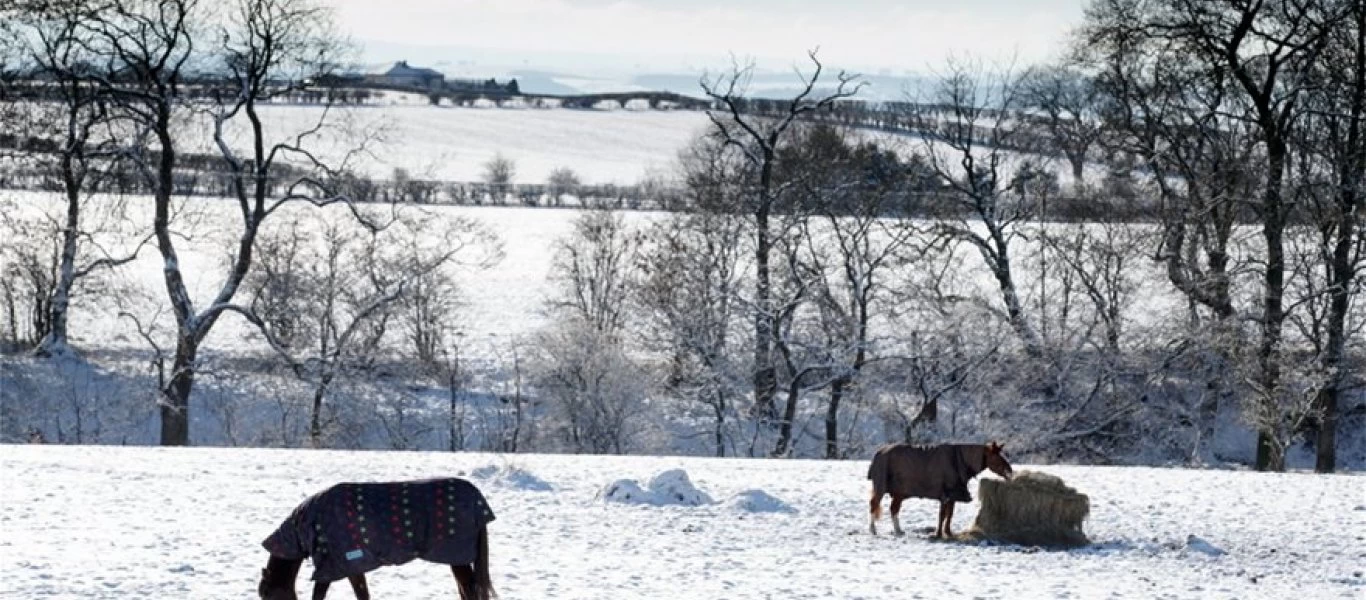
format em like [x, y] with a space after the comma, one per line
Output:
[994, 448]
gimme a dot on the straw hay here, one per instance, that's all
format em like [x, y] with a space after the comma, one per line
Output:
[1033, 509]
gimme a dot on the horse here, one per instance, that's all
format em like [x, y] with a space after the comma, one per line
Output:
[935, 472]
[350, 529]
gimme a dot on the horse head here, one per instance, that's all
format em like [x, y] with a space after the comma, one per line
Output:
[996, 461]
[277, 583]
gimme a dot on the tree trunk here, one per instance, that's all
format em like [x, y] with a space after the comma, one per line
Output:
[175, 406]
[1269, 455]
[55, 342]
[784, 445]
[720, 408]
[1342, 273]
[175, 413]
[832, 449]
[315, 419]
[450, 390]
[765, 372]
[1014, 309]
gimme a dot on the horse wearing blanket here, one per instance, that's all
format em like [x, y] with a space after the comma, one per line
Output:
[351, 529]
[935, 472]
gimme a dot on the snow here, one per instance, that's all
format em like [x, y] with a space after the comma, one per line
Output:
[1196, 544]
[511, 476]
[758, 501]
[114, 523]
[668, 488]
[453, 144]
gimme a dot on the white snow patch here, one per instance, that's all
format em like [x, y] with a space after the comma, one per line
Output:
[758, 501]
[1197, 544]
[674, 487]
[626, 491]
[668, 488]
[512, 476]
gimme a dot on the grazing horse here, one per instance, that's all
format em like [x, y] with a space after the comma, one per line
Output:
[935, 472]
[351, 529]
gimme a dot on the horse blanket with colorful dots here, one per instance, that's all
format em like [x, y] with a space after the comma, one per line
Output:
[354, 528]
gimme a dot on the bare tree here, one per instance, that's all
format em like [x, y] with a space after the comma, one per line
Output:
[970, 158]
[757, 139]
[584, 365]
[850, 249]
[592, 267]
[73, 114]
[1255, 57]
[562, 181]
[1069, 104]
[499, 172]
[1337, 123]
[688, 294]
[595, 389]
[268, 48]
[344, 288]
[1171, 116]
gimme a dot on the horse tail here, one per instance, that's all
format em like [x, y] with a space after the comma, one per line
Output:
[481, 567]
[878, 473]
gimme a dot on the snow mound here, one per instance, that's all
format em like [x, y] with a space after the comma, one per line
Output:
[758, 501]
[512, 477]
[669, 488]
[674, 487]
[626, 491]
[1196, 544]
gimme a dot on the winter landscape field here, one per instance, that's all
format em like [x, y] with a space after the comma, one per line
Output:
[115, 523]
[453, 144]
[251, 249]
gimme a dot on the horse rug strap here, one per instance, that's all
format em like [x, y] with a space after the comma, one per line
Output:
[353, 528]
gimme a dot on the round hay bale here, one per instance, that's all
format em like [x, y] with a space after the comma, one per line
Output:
[1032, 509]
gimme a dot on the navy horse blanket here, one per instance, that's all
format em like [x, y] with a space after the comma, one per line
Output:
[353, 528]
[935, 472]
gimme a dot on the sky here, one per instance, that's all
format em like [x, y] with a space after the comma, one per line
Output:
[874, 36]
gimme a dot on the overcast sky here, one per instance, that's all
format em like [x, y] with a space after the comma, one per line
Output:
[871, 35]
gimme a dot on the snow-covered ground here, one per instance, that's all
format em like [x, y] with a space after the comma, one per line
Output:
[447, 143]
[105, 522]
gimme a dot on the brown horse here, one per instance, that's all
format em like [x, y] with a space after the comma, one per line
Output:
[350, 529]
[935, 472]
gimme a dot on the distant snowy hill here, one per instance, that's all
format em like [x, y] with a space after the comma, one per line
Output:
[570, 73]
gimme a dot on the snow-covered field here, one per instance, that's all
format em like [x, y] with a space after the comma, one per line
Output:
[447, 143]
[601, 146]
[105, 522]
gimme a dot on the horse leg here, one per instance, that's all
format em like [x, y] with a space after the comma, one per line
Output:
[948, 520]
[896, 511]
[939, 524]
[358, 586]
[874, 508]
[464, 580]
[320, 589]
